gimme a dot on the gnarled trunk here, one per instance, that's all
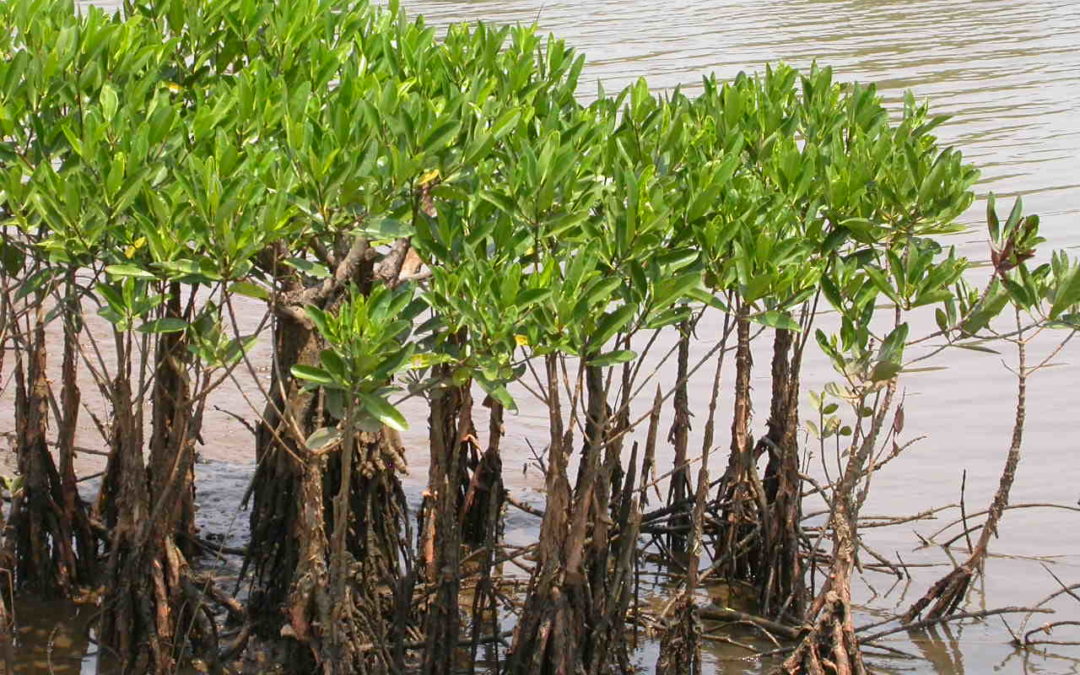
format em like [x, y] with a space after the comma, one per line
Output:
[74, 512]
[173, 430]
[781, 589]
[297, 508]
[831, 641]
[547, 634]
[678, 494]
[449, 428]
[742, 496]
[279, 534]
[127, 628]
[154, 615]
[484, 498]
[45, 538]
[484, 493]
[579, 593]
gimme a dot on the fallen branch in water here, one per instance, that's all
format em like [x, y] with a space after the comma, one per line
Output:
[734, 616]
[1009, 507]
[522, 506]
[1048, 628]
[1064, 590]
[959, 616]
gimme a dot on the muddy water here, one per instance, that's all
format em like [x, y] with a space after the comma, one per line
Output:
[1009, 73]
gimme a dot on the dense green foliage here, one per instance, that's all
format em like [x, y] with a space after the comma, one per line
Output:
[178, 143]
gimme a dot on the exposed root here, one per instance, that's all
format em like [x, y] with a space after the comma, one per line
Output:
[831, 645]
[945, 595]
[949, 592]
[742, 495]
[154, 615]
[679, 652]
[47, 535]
[341, 602]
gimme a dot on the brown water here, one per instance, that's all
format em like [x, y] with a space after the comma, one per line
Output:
[1009, 73]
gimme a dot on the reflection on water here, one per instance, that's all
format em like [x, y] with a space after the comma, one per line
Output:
[52, 637]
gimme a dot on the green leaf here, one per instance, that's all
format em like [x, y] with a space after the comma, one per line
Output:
[704, 296]
[612, 323]
[992, 221]
[383, 411]
[129, 271]
[320, 319]
[11, 258]
[109, 102]
[312, 374]
[440, 136]
[674, 289]
[335, 365]
[385, 228]
[36, 282]
[925, 369]
[975, 347]
[505, 122]
[112, 316]
[892, 347]
[308, 267]
[113, 296]
[885, 370]
[942, 319]
[531, 296]
[1067, 293]
[335, 403]
[775, 319]
[191, 271]
[237, 347]
[982, 314]
[497, 391]
[164, 325]
[250, 290]
[502, 395]
[613, 357]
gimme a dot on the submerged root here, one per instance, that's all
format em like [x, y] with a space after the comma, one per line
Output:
[831, 645]
[945, 595]
[680, 652]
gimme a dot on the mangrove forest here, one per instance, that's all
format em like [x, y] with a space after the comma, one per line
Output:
[398, 244]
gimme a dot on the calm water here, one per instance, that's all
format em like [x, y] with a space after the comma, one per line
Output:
[1009, 73]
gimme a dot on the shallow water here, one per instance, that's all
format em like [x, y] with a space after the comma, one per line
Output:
[1009, 73]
